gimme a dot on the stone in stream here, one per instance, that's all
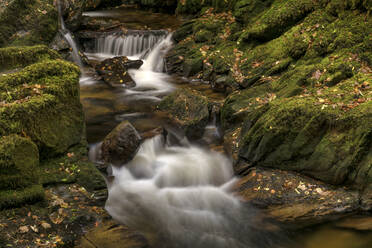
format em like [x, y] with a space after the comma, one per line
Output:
[189, 110]
[121, 145]
[114, 71]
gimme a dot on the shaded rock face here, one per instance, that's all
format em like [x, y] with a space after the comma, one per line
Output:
[189, 109]
[290, 197]
[114, 71]
[121, 145]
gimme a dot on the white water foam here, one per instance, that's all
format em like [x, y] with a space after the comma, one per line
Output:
[151, 82]
[180, 194]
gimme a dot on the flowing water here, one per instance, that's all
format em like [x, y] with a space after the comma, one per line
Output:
[177, 194]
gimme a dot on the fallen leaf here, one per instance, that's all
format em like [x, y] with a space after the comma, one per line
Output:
[46, 225]
[23, 229]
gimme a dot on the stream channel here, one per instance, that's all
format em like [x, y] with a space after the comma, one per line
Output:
[176, 195]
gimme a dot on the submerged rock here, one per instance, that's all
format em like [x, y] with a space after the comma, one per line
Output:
[114, 71]
[189, 110]
[121, 145]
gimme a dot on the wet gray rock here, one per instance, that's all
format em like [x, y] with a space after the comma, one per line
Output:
[59, 43]
[121, 145]
[189, 110]
[114, 71]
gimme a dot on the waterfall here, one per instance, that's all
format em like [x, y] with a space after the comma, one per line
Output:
[69, 37]
[128, 45]
[151, 82]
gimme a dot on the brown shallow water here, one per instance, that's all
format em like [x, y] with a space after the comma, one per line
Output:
[351, 232]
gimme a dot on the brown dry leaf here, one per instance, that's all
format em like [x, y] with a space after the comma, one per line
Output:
[55, 218]
[34, 228]
[24, 229]
[46, 225]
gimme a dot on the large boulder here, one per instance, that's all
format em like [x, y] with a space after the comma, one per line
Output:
[121, 145]
[189, 109]
[42, 101]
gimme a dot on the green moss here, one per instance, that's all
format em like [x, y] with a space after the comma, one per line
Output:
[72, 168]
[13, 57]
[42, 102]
[17, 198]
[321, 140]
[203, 36]
[28, 22]
[19, 160]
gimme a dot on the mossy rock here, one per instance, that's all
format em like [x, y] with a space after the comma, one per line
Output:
[325, 143]
[73, 167]
[19, 161]
[189, 109]
[17, 198]
[28, 22]
[42, 101]
[15, 57]
[19, 172]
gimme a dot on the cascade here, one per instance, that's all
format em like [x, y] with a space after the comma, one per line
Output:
[128, 45]
[69, 37]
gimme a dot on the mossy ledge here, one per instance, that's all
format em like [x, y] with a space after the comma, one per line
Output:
[298, 75]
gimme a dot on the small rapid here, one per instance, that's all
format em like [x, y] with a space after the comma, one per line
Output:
[181, 196]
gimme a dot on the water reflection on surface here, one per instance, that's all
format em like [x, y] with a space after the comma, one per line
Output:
[356, 234]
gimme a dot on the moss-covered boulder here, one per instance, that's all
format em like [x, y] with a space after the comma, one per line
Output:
[189, 109]
[19, 173]
[300, 76]
[19, 160]
[28, 22]
[41, 101]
